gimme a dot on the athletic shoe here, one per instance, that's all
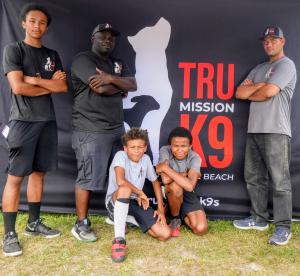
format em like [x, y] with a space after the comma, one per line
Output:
[130, 220]
[281, 236]
[37, 227]
[250, 223]
[175, 227]
[11, 245]
[118, 250]
[109, 221]
[82, 231]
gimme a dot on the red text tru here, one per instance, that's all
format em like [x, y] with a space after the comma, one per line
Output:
[209, 86]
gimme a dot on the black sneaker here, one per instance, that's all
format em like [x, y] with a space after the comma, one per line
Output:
[82, 231]
[38, 228]
[11, 245]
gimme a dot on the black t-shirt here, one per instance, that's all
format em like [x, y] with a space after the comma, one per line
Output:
[32, 61]
[94, 112]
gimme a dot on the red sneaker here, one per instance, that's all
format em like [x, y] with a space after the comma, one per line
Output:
[175, 227]
[118, 250]
[175, 232]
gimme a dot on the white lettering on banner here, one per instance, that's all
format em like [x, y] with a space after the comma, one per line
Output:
[220, 177]
[154, 87]
[153, 199]
[205, 201]
[209, 201]
[206, 107]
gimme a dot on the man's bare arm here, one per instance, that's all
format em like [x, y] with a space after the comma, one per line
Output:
[105, 89]
[264, 93]
[57, 84]
[122, 83]
[247, 89]
[20, 87]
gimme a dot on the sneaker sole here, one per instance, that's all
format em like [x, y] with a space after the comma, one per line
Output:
[34, 234]
[281, 243]
[74, 233]
[13, 254]
[118, 260]
[109, 221]
[259, 228]
[130, 220]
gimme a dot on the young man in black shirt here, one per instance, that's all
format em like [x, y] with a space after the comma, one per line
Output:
[99, 82]
[33, 72]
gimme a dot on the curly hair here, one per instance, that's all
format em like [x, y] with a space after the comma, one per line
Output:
[35, 7]
[135, 133]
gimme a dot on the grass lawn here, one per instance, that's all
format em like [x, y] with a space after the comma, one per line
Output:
[223, 251]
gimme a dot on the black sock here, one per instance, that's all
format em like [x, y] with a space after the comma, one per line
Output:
[9, 219]
[174, 217]
[34, 211]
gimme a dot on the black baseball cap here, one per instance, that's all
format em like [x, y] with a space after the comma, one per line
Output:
[105, 27]
[272, 31]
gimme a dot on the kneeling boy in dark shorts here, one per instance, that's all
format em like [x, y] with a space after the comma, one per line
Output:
[125, 195]
[179, 167]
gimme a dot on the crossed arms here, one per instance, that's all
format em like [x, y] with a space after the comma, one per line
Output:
[34, 86]
[187, 181]
[107, 84]
[257, 92]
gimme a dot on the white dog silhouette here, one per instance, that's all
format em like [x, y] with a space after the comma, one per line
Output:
[150, 45]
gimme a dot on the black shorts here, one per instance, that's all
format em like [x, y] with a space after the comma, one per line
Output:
[32, 147]
[143, 217]
[190, 203]
[94, 151]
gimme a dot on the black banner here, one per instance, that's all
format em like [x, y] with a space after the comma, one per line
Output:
[189, 57]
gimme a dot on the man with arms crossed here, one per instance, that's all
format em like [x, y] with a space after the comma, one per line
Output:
[99, 82]
[33, 72]
[269, 87]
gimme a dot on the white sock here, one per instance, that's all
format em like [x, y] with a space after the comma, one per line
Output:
[120, 214]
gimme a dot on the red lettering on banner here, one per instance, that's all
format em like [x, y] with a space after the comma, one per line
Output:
[186, 66]
[220, 78]
[205, 76]
[225, 145]
[195, 131]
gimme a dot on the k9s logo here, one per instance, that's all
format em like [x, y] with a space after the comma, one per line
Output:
[209, 201]
[205, 201]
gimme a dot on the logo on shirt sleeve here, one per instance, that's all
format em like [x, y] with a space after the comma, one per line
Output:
[50, 65]
[118, 67]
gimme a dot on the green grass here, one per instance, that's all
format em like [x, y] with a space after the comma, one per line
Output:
[223, 251]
